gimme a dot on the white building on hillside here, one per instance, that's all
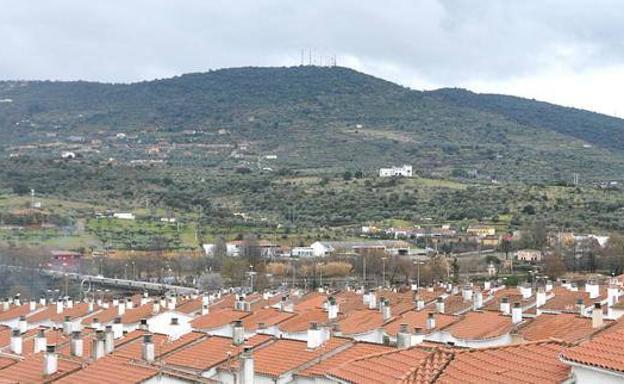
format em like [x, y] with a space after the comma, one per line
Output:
[404, 170]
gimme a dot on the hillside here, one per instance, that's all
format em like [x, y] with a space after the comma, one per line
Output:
[321, 118]
[304, 144]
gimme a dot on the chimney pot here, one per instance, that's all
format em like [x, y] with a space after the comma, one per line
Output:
[50, 361]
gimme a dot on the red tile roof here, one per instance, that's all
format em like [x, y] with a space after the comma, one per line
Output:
[567, 327]
[282, 356]
[522, 363]
[301, 321]
[354, 352]
[162, 345]
[480, 326]
[418, 319]
[382, 368]
[604, 351]
[268, 316]
[110, 370]
[361, 321]
[210, 352]
[30, 370]
[217, 318]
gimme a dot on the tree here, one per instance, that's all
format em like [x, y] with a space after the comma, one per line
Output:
[554, 266]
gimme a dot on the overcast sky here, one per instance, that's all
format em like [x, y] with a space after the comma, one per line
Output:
[570, 52]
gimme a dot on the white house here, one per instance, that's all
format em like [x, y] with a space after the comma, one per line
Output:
[124, 216]
[404, 170]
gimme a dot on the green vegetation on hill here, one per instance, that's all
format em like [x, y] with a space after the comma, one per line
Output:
[302, 146]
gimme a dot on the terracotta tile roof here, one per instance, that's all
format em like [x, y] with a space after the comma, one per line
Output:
[30, 370]
[361, 321]
[431, 368]
[14, 312]
[311, 301]
[282, 356]
[217, 318]
[6, 362]
[78, 310]
[480, 326]
[418, 319]
[162, 345]
[349, 301]
[110, 370]
[566, 300]
[354, 352]
[513, 294]
[268, 316]
[604, 351]
[522, 363]
[210, 352]
[190, 306]
[567, 327]
[134, 315]
[382, 368]
[104, 316]
[301, 321]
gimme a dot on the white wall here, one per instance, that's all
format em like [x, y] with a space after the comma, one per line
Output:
[161, 323]
[587, 375]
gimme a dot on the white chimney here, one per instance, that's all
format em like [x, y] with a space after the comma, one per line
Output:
[171, 304]
[516, 314]
[115, 301]
[163, 302]
[467, 292]
[6, 304]
[32, 305]
[143, 326]
[16, 342]
[95, 323]
[98, 350]
[70, 302]
[526, 291]
[59, 306]
[386, 310]
[42, 301]
[205, 299]
[109, 339]
[315, 336]
[420, 303]
[487, 285]
[205, 309]
[40, 342]
[155, 307]
[238, 333]
[332, 308]
[67, 325]
[440, 305]
[372, 300]
[418, 336]
[90, 306]
[580, 304]
[129, 303]
[76, 344]
[121, 309]
[16, 301]
[593, 289]
[50, 361]
[540, 297]
[477, 301]
[22, 324]
[613, 295]
[505, 307]
[117, 328]
[246, 366]
[597, 316]
[148, 351]
[404, 337]
[365, 298]
[431, 322]
[549, 286]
